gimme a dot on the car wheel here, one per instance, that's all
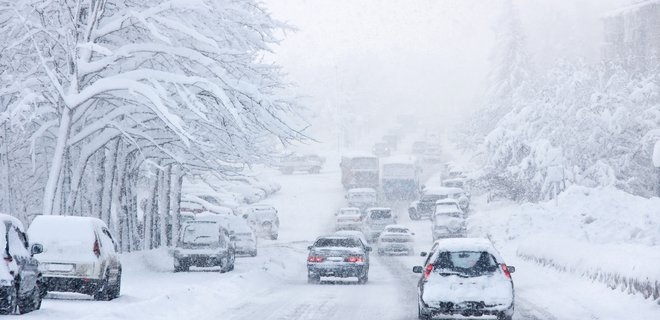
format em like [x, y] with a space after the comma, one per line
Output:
[363, 279]
[253, 253]
[421, 315]
[12, 297]
[32, 302]
[413, 214]
[116, 288]
[103, 293]
[313, 279]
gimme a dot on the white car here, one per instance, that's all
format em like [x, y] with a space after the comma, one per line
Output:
[348, 219]
[246, 240]
[79, 255]
[396, 239]
[264, 220]
[465, 278]
[362, 198]
[448, 222]
[375, 222]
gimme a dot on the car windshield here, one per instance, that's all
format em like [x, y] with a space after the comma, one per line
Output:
[200, 233]
[381, 214]
[337, 242]
[465, 263]
[430, 197]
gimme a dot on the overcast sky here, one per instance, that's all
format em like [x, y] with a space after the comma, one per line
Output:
[380, 58]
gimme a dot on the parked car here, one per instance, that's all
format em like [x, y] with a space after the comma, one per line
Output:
[310, 163]
[79, 255]
[348, 219]
[264, 220]
[362, 198]
[448, 222]
[204, 243]
[425, 206]
[21, 284]
[246, 241]
[396, 239]
[465, 278]
[375, 221]
[338, 256]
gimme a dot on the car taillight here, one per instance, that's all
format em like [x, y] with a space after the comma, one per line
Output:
[427, 271]
[315, 259]
[354, 259]
[96, 249]
[9, 259]
[505, 269]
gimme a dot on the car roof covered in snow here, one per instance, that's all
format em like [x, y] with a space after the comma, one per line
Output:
[442, 191]
[379, 209]
[46, 229]
[467, 244]
[13, 220]
[361, 190]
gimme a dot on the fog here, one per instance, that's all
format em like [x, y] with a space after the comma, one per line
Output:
[362, 62]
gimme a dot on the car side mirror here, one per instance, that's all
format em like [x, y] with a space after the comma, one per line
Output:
[368, 249]
[245, 216]
[309, 247]
[412, 233]
[423, 254]
[418, 269]
[36, 248]
[511, 269]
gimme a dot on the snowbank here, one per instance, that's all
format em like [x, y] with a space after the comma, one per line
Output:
[602, 234]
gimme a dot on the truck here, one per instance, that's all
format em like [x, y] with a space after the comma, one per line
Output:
[360, 171]
[400, 179]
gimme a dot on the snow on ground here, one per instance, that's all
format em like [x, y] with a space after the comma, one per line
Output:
[274, 285]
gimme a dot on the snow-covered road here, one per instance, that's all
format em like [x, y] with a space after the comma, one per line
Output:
[274, 285]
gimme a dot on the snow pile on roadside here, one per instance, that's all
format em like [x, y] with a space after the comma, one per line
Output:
[603, 234]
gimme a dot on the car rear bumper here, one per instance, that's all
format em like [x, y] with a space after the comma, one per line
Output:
[202, 260]
[449, 310]
[70, 284]
[341, 271]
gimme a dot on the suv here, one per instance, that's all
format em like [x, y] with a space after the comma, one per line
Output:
[264, 220]
[20, 281]
[80, 255]
[465, 278]
[448, 222]
[204, 243]
[338, 256]
[375, 222]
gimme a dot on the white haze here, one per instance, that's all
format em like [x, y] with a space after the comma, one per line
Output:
[362, 62]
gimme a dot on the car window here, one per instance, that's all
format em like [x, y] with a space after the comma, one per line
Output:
[206, 233]
[397, 230]
[107, 240]
[337, 242]
[17, 243]
[467, 263]
[380, 214]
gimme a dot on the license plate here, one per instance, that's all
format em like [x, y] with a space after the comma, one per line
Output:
[335, 259]
[59, 267]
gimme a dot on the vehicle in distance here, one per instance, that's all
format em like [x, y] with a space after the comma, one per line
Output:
[264, 220]
[465, 278]
[376, 220]
[20, 280]
[419, 147]
[425, 206]
[79, 255]
[396, 239]
[381, 149]
[362, 198]
[399, 179]
[203, 243]
[310, 163]
[338, 256]
[360, 171]
[448, 222]
[348, 219]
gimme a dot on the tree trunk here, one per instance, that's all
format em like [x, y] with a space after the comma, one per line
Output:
[58, 157]
[109, 184]
[175, 201]
[164, 205]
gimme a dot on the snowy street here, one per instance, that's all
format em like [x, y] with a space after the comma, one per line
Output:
[273, 285]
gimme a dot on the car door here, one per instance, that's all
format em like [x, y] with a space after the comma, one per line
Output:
[28, 267]
[111, 250]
